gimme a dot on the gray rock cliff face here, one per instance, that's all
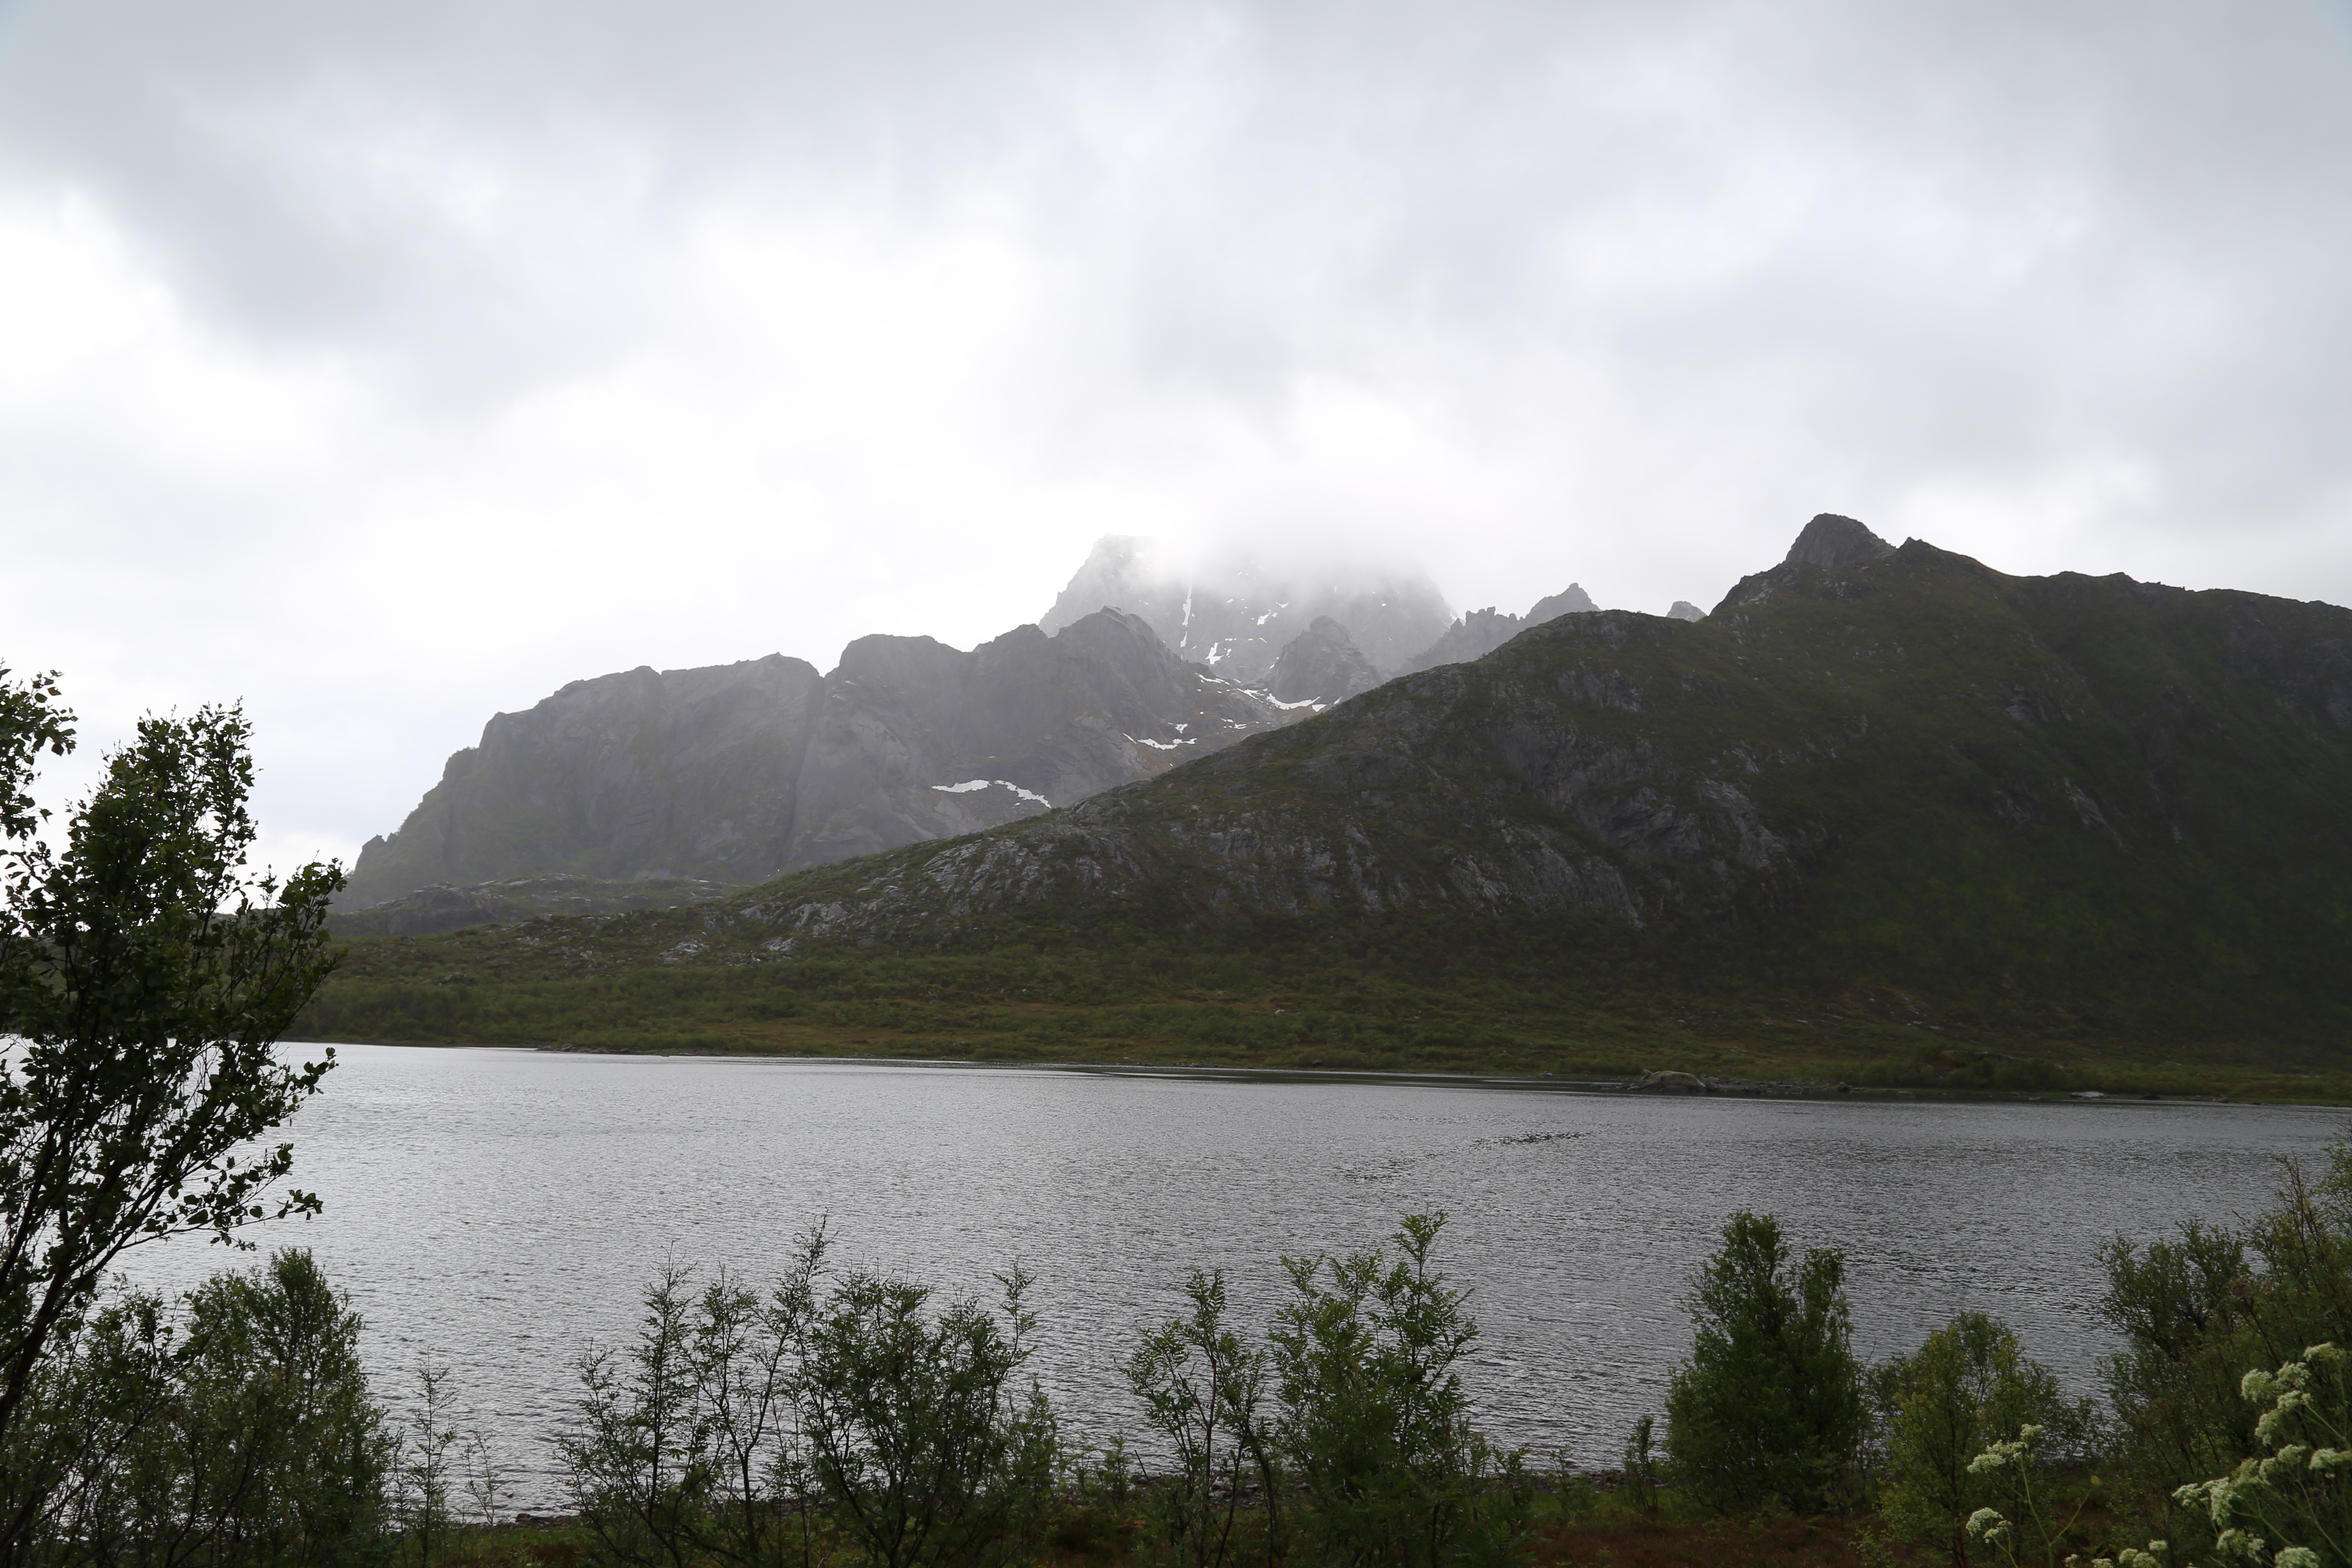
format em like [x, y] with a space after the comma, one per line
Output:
[741, 771]
[1235, 616]
[1683, 610]
[1322, 666]
[689, 772]
[1481, 632]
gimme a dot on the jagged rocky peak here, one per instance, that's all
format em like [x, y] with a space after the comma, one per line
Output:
[1833, 541]
[1684, 610]
[1322, 666]
[735, 774]
[1235, 613]
[1481, 632]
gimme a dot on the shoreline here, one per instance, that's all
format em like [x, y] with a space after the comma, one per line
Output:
[1714, 1088]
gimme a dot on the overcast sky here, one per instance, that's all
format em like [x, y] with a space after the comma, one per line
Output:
[387, 366]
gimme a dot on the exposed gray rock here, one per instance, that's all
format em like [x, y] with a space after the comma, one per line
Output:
[1235, 616]
[1322, 666]
[738, 772]
[1834, 542]
[1684, 610]
[688, 772]
[1481, 632]
[1571, 600]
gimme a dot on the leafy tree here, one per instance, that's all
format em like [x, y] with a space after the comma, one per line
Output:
[1967, 1387]
[1203, 1390]
[912, 1427]
[1770, 1407]
[238, 1430]
[1375, 1422]
[641, 1466]
[424, 1471]
[147, 979]
[1641, 1466]
[2195, 1312]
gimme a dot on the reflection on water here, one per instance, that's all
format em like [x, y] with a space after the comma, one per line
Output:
[497, 1209]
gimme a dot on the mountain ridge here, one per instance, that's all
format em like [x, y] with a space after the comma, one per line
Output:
[1862, 803]
[736, 772]
[1586, 770]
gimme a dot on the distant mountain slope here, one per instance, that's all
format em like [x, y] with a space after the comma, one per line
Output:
[2065, 791]
[684, 771]
[1481, 632]
[1235, 617]
[736, 772]
[1322, 666]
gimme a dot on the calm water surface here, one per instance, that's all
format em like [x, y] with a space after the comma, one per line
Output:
[498, 1209]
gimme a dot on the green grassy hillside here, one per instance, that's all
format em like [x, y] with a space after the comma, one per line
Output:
[1911, 817]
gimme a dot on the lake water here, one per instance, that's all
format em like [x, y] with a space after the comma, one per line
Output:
[498, 1209]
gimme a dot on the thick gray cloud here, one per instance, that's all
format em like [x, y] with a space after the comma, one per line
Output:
[389, 365]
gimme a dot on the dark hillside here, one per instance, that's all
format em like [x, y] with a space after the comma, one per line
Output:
[2063, 809]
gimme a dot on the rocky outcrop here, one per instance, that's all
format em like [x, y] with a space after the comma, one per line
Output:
[1236, 614]
[738, 773]
[1322, 666]
[1683, 610]
[1833, 541]
[1481, 632]
[1571, 600]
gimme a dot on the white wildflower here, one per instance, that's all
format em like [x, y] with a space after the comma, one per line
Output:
[1984, 1523]
[2296, 1557]
[2331, 1458]
[2323, 1355]
[2237, 1543]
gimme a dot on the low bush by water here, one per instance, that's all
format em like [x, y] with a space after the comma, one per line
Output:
[853, 1418]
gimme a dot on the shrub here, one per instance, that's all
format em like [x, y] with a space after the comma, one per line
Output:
[1947, 1403]
[1203, 1390]
[1375, 1424]
[1769, 1410]
[732, 1412]
[239, 1431]
[2195, 1312]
